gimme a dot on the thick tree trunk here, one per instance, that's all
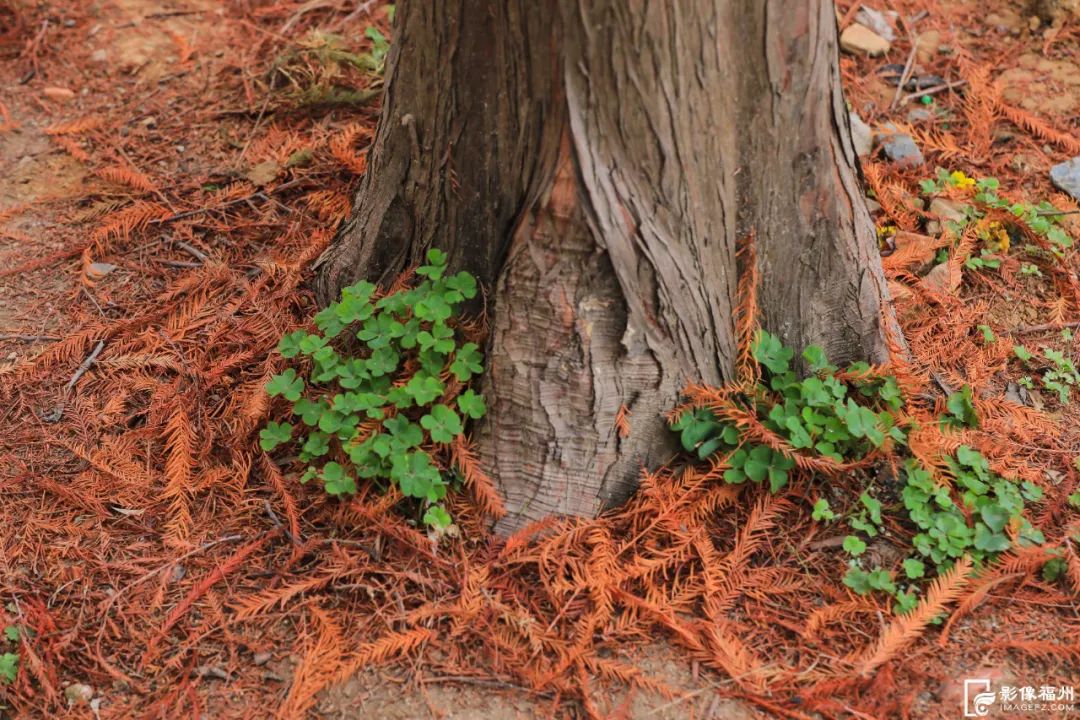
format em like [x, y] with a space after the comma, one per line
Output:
[593, 163]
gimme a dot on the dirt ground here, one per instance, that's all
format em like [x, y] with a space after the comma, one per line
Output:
[180, 96]
[381, 695]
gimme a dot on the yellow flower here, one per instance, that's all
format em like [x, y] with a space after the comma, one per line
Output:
[996, 237]
[960, 180]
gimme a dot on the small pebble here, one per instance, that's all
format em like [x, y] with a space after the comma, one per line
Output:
[58, 94]
[1066, 176]
[917, 115]
[861, 135]
[947, 209]
[859, 39]
[78, 694]
[899, 146]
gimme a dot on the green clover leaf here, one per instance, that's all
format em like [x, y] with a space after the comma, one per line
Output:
[383, 361]
[289, 346]
[417, 476]
[464, 283]
[433, 308]
[405, 434]
[336, 480]
[770, 352]
[879, 580]
[914, 568]
[467, 362]
[816, 360]
[440, 338]
[472, 404]
[317, 444]
[822, 511]
[308, 411]
[423, 389]
[854, 546]
[906, 602]
[874, 506]
[361, 291]
[858, 580]
[353, 309]
[990, 541]
[437, 517]
[286, 384]
[1031, 491]
[328, 321]
[442, 423]
[995, 517]
[435, 267]
[311, 344]
[9, 668]
[274, 434]
[1022, 353]
[961, 408]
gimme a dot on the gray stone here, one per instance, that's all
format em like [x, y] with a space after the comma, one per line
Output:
[881, 22]
[917, 115]
[1066, 176]
[861, 135]
[899, 146]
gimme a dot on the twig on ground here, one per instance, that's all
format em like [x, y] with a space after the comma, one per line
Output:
[1026, 329]
[940, 381]
[932, 90]
[909, 66]
[85, 366]
[192, 251]
[27, 338]
[95, 302]
[277, 522]
[57, 410]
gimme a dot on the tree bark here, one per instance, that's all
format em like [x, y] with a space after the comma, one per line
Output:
[594, 163]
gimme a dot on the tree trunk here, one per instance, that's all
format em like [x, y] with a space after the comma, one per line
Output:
[593, 164]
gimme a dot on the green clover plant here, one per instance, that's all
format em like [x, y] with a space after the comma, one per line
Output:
[1059, 375]
[838, 416]
[1042, 218]
[845, 416]
[9, 661]
[383, 407]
